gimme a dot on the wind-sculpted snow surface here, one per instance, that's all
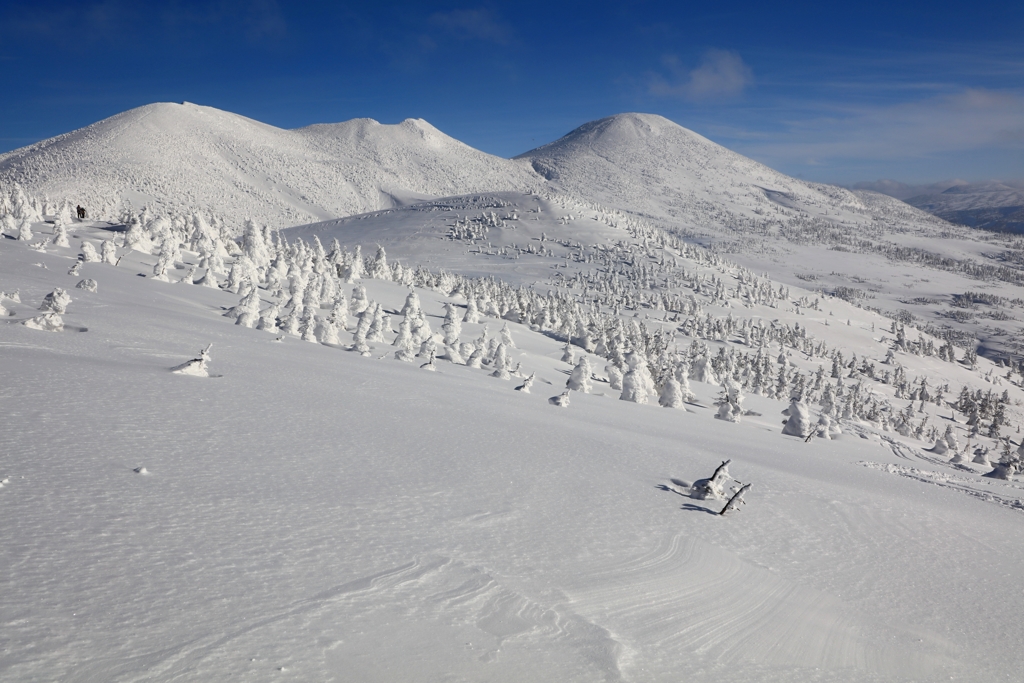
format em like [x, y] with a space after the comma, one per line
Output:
[179, 157]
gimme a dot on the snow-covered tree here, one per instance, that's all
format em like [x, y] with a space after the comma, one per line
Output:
[452, 325]
[89, 254]
[637, 384]
[579, 379]
[501, 363]
[730, 402]
[525, 386]
[56, 301]
[799, 422]
[713, 486]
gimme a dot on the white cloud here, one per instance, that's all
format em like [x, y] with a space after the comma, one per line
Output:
[971, 119]
[721, 74]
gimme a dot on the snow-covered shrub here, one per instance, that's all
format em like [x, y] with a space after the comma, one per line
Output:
[87, 284]
[525, 386]
[56, 301]
[48, 322]
[562, 400]
[197, 367]
[713, 486]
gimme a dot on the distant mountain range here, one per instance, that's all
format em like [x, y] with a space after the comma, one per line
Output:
[993, 205]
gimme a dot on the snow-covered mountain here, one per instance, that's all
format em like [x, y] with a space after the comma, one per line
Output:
[990, 206]
[176, 157]
[865, 245]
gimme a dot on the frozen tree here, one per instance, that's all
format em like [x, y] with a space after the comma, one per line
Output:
[730, 402]
[209, 279]
[562, 400]
[135, 237]
[327, 332]
[701, 370]
[525, 386]
[827, 429]
[88, 284]
[406, 351]
[799, 422]
[452, 326]
[429, 365]
[358, 302]
[378, 267]
[247, 312]
[355, 268]
[714, 486]
[89, 254]
[579, 380]
[501, 363]
[47, 322]
[614, 377]
[362, 328]
[412, 305]
[506, 337]
[56, 301]
[108, 252]
[567, 354]
[452, 354]
[637, 384]
[736, 500]
[60, 236]
[268, 318]
[377, 325]
[197, 367]
[404, 338]
[25, 231]
[472, 312]
[940, 447]
[475, 359]
[671, 395]
[308, 325]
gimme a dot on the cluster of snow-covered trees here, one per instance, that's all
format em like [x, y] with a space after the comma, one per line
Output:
[315, 293]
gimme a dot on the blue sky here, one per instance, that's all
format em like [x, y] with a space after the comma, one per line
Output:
[838, 93]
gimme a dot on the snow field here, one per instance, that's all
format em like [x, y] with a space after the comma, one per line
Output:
[313, 513]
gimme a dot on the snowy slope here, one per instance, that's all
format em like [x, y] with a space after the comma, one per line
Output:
[179, 157]
[312, 513]
[898, 257]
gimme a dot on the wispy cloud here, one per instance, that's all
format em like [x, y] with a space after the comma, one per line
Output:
[973, 118]
[721, 74]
